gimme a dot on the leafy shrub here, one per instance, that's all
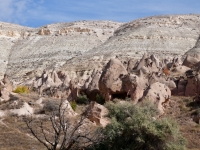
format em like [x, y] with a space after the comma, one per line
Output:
[100, 99]
[21, 89]
[133, 127]
[128, 99]
[73, 105]
[82, 99]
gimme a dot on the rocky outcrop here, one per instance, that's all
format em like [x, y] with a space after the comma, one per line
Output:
[73, 46]
[163, 36]
[52, 45]
[44, 32]
[190, 61]
[97, 113]
[158, 94]
[91, 85]
[193, 85]
[6, 88]
[110, 82]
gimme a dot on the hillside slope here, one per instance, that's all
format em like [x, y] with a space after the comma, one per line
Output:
[84, 45]
[164, 36]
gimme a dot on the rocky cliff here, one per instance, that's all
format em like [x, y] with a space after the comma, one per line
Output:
[164, 36]
[51, 45]
[84, 45]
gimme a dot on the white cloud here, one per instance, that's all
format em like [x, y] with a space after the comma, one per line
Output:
[13, 10]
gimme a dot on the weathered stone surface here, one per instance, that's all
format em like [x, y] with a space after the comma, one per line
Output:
[163, 36]
[97, 113]
[52, 45]
[23, 50]
[192, 87]
[190, 61]
[92, 85]
[159, 94]
[110, 81]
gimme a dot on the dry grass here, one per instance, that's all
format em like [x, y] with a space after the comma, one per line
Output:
[14, 136]
[181, 109]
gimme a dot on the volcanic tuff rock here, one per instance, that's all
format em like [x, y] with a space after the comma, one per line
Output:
[73, 46]
[49, 46]
[163, 36]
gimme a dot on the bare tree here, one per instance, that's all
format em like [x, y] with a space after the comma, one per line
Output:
[62, 133]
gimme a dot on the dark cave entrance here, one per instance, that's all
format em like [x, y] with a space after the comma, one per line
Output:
[120, 95]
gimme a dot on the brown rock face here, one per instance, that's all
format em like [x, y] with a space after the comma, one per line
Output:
[162, 79]
[110, 81]
[134, 86]
[190, 61]
[97, 113]
[44, 32]
[93, 85]
[159, 94]
[193, 86]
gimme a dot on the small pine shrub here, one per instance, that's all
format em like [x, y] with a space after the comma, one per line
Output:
[100, 99]
[21, 89]
[73, 105]
[82, 99]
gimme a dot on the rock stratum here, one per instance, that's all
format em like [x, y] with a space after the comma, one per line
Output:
[79, 47]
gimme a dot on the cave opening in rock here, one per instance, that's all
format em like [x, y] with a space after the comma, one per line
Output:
[119, 95]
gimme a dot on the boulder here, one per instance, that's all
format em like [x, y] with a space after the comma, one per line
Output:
[93, 86]
[110, 81]
[159, 94]
[192, 87]
[131, 65]
[190, 61]
[5, 94]
[179, 70]
[142, 62]
[5, 88]
[96, 113]
[181, 86]
[74, 89]
[134, 86]
[162, 79]
[7, 83]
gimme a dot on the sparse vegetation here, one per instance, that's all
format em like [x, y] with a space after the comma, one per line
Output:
[136, 127]
[82, 99]
[61, 132]
[50, 106]
[73, 105]
[100, 99]
[21, 89]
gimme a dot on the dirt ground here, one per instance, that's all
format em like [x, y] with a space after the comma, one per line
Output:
[181, 109]
[14, 134]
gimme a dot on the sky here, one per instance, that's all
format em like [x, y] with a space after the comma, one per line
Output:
[35, 13]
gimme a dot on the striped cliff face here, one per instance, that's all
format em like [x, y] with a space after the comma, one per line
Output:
[84, 45]
[51, 45]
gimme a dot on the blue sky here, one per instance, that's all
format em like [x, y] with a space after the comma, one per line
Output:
[35, 13]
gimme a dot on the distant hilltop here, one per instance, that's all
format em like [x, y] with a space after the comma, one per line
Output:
[82, 45]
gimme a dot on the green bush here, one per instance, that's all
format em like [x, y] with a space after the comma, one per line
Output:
[21, 89]
[133, 128]
[100, 99]
[82, 99]
[73, 105]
